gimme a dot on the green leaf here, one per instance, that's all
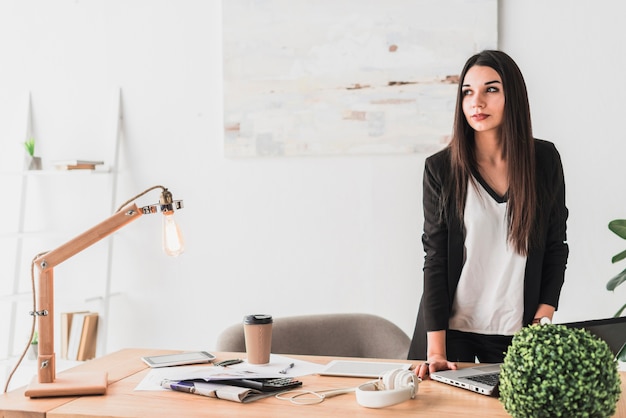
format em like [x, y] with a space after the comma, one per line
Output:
[616, 281]
[621, 356]
[618, 257]
[617, 315]
[30, 146]
[618, 226]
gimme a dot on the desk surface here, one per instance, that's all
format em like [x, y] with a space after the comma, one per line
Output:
[126, 370]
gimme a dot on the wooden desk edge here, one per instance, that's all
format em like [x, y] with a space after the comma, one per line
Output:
[127, 362]
[120, 365]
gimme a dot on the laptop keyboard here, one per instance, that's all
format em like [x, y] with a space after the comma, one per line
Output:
[487, 379]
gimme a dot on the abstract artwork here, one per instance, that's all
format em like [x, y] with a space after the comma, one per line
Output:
[346, 77]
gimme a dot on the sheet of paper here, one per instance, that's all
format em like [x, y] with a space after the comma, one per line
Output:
[153, 379]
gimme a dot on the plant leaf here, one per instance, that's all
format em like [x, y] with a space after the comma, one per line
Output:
[616, 281]
[621, 356]
[618, 226]
[617, 315]
[30, 146]
[618, 257]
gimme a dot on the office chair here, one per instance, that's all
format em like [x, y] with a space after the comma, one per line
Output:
[339, 335]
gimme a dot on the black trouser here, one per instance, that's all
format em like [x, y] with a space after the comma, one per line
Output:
[469, 347]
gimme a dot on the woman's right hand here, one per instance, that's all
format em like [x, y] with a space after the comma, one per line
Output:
[436, 357]
[433, 364]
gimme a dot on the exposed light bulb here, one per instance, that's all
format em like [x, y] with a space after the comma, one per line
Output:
[173, 243]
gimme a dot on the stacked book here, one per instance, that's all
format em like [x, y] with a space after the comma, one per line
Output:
[79, 332]
[77, 164]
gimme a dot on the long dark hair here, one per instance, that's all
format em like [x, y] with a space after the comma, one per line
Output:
[518, 149]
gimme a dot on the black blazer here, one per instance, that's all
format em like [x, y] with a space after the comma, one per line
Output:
[443, 240]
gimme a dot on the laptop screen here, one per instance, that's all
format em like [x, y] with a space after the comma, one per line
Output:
[611, 330]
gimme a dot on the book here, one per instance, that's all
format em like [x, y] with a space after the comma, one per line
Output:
[76, 330]
[77, 164]
[78, 167]
[87, 346]
[82, 336]
[66, 326]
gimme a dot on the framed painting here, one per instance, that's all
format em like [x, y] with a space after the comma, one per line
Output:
[346, 77]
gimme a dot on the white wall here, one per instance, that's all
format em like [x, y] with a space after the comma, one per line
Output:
[572, 56]
[295, 235]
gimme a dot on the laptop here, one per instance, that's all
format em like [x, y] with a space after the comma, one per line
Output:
[480, 379]
[483, 379]
[611, 330]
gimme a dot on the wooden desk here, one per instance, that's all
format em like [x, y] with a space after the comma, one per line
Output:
[126, 370]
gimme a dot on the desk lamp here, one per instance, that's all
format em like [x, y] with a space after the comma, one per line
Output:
[46, 383]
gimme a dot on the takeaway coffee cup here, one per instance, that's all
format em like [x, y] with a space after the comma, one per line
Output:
[258, 334]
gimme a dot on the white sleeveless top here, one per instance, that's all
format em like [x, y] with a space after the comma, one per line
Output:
[489, 298]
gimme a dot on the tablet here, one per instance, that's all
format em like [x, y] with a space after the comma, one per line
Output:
[355, 368]
[178, 359]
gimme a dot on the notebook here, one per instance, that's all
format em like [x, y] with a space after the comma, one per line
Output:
[484, 379]
[352, 368]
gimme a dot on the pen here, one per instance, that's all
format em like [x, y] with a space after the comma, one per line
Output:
[286, 369]
[229, 362]
[183, 386]
[187, 387]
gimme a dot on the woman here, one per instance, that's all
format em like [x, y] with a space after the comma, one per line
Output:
[494, 224]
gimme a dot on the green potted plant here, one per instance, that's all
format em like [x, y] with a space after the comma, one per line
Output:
[34, 163]
[34, 347]
[556, 371]
[618, 226]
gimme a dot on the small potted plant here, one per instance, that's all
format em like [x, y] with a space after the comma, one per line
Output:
[34, 163]
[556, 371]
[34, 347]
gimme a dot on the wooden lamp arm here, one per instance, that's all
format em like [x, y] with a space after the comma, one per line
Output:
[46, 371]
[118, 220]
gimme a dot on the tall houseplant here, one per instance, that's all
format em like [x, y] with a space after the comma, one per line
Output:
[618, 226]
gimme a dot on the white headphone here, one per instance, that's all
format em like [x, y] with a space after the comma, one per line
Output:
[393, 387]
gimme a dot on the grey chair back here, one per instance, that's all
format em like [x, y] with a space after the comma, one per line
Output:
[338, 335]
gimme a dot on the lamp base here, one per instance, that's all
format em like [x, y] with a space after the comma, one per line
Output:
[69, 384]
